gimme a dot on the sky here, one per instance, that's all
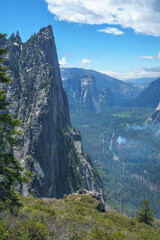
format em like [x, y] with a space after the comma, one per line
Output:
[118, 37]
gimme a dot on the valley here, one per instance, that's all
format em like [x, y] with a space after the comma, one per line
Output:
[126, 154]
[122, 138]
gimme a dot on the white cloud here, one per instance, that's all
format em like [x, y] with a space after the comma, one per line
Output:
[151, 57]
[140, 15]
[63, 62]
[85, 62]
[111, 30]
[134, 73]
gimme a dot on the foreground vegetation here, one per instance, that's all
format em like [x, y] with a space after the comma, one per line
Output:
[74, 217]
[11, 172]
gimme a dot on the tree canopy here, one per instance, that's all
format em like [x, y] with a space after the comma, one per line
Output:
[11, 172]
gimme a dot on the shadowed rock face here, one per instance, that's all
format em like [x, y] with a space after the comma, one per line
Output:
[106, 97]
[47, 144]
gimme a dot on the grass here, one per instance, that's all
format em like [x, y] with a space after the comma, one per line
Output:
[74, 217]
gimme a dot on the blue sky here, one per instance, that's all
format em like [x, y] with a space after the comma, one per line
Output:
[117, 37]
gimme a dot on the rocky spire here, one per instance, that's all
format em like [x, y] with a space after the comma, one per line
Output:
[48, 147]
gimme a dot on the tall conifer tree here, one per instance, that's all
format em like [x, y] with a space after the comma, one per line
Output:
[144, 214]
[11, 173]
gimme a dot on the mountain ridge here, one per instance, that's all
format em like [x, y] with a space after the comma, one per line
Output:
[121, 90]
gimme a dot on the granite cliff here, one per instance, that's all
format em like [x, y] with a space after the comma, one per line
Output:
[106, 97]
[48, 147]
[82, 92]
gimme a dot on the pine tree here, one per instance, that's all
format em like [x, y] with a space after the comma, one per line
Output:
[11, 173]
[144, 214]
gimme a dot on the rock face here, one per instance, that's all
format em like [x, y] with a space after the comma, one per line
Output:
[89, 95]
[106, 97]
[155, 118]
[82, 91]
[102, 206]
[48, 145]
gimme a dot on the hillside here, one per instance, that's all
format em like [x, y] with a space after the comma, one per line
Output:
[150, 97]
[73, 217]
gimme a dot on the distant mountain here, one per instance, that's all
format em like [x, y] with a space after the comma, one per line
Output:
[121, 90]
[82, 92]
[141, 81]
[150, 97]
